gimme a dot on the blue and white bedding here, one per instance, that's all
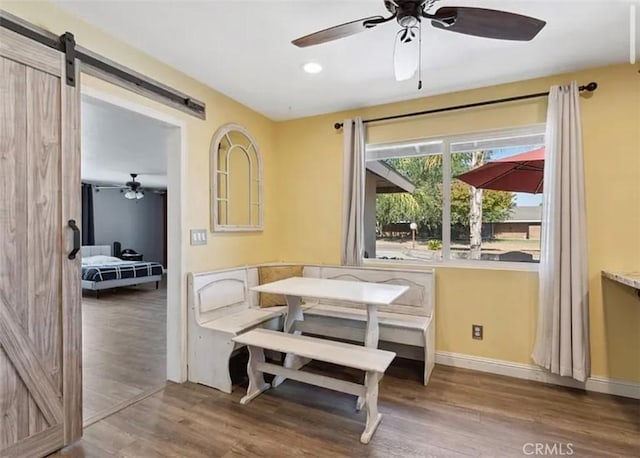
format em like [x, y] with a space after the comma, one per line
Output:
[103, 268]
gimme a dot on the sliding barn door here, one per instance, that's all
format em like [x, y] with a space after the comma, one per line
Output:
[40, 327]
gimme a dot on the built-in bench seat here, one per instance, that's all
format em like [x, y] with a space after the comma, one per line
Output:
[239, 322]
[350, 324]
[371, 360]
[222, 306]
[393, 320]
[407, 326]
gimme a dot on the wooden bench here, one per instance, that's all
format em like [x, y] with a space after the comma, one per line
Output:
[373, 361]
[221, 306]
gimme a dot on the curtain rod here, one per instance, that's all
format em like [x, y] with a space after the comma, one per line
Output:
[589, 88]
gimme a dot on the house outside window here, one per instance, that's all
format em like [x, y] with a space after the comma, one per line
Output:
[456, 223]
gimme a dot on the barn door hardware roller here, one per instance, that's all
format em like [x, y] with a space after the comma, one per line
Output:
[68, 44]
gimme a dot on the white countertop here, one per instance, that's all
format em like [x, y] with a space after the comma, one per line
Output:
[626, 278]
[322, 288]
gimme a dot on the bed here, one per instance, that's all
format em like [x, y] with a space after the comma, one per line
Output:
[100, 270]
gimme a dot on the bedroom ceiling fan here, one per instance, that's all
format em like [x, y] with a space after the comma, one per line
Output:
[409, 14]
[133, 187]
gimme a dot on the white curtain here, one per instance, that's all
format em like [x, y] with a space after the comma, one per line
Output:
[353, 194]
[562, 340]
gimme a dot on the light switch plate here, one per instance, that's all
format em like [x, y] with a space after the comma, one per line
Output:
[198, 236]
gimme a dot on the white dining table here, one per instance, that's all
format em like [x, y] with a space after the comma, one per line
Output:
[295, 289]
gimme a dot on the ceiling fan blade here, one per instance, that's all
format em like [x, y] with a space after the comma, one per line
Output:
[406, 54]
[336, 32]
[488, 23]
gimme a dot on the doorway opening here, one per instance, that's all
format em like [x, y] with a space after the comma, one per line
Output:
[127, 253]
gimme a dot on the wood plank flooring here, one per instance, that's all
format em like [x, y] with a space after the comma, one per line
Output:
[460, 413]
[124, 345]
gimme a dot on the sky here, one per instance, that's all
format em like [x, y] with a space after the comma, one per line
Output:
[528, 200]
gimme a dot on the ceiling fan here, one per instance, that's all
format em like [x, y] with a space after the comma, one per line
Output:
[409, 15]
[133, 187]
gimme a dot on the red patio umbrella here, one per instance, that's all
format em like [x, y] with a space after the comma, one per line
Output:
[519, 173]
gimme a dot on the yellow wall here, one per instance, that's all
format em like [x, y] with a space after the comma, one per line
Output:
[222, 250]
[303, 195]
[310, 161]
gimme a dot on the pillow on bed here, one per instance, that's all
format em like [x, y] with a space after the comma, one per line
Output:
[268, 274]
[99, 260]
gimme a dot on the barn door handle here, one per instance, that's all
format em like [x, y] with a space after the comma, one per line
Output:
[76, 238]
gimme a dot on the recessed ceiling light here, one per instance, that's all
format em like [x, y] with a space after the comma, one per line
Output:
[312, 67]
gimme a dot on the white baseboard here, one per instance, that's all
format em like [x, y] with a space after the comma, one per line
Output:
[530, 372]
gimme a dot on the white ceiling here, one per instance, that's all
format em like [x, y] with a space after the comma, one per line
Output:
[117, 142]
[243, 49]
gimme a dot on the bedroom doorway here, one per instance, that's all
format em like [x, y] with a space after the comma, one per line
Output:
[126, 187]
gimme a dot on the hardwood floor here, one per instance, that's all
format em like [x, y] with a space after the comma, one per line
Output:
[460, 413]
[124, 346]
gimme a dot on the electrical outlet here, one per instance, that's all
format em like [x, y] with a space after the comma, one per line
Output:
[198, 236]
[476, 331]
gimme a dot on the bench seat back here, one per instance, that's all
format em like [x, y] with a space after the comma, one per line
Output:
[222, 292]
[418, 300]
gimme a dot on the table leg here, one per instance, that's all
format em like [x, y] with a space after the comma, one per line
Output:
[373, 330]
[371, 338]
[294, 313]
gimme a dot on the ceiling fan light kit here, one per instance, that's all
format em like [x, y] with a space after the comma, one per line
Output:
[408, 14]
[134, 195]
[406, 59]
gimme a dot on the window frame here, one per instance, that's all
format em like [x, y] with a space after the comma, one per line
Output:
[220, 134]
[532, 130]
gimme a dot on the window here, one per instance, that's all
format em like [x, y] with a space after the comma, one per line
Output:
[236, 181]
[419, 208]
